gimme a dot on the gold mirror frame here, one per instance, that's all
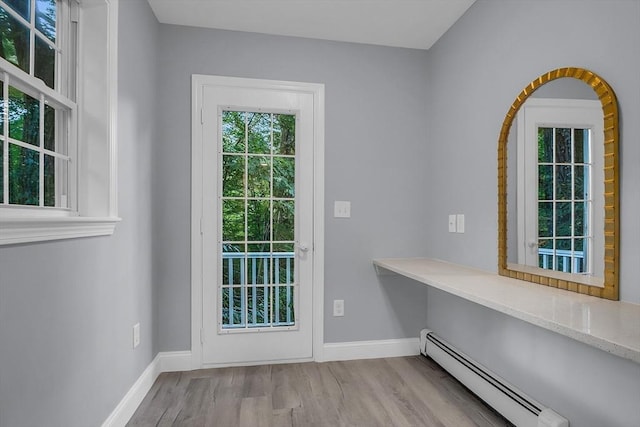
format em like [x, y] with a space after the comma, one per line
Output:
[611, 197]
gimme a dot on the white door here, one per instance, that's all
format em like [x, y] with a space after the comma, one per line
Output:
[257, 222]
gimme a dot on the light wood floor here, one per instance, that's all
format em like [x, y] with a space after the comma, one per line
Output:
[404, 391]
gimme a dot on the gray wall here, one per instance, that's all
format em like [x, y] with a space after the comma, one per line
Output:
[475, 72]
[410, 137]
[375, 155]
[67, 308]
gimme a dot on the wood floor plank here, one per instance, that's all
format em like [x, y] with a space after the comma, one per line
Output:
[256, 412]
[157, 401]
[284, 387]
[257, 381]
[404, 391]
[430, 387]
[197, 401]
[176, 402]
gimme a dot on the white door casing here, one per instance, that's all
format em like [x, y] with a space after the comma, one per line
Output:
[212, 346]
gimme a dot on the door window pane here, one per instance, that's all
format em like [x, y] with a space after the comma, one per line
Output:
[233, 264]
[545, 182]
[233, 220]
[563, 145]
[581, 146]
[284, 134]
[563, 182]
[233, 132]
[258, 306]
[283, 220]
[285, 305]
[545, 145]
[259, 130]
[258, 174]
[563, 223]
[284, 175]
[563, 198]
[545, 219]
[233, 176]
[258, 221]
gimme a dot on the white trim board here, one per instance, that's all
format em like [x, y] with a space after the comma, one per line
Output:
[356, 350]
[163, 362]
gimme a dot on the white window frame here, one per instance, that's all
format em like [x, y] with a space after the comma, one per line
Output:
[546, 112]
[94, 209]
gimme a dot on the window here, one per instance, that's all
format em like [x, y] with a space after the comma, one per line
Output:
[58, 63]
[37, 112]
[564, 199]
[560, 168]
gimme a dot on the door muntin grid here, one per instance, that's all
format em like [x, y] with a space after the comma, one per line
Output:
[258, 283]
[564, 199]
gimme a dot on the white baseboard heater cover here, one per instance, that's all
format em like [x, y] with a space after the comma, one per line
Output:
[510, 402]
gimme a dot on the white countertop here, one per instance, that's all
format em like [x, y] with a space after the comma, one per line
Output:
[611, 326]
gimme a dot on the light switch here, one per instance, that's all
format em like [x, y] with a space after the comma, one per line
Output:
[341, 209]
[460, 223]
[452, 223]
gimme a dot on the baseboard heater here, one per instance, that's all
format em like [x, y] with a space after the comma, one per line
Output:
[510, 402]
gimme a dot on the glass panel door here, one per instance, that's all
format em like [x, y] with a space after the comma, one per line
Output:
[258, 283]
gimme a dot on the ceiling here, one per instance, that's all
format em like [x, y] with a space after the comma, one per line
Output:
[414, 24]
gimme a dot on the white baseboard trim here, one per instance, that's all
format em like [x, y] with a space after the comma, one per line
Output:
[174, 361]
[170, 361]
[371, 349]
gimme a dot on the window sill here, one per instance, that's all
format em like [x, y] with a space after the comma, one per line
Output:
[28, 230]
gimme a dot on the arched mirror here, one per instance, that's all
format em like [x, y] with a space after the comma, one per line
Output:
[558, 184]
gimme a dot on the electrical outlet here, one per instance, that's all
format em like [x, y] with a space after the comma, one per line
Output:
[338, 307]
[136, 335]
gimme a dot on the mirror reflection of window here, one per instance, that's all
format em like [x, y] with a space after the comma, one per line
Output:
[564, 199]
[558, 142]
[558, 194]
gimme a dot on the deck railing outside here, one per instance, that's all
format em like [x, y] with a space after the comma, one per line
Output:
[258, 302]
[566, 260]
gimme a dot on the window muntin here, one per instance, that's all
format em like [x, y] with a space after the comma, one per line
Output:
[35, 147]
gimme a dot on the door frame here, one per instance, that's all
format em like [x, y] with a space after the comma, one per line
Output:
[198, 82]
[558, 112]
